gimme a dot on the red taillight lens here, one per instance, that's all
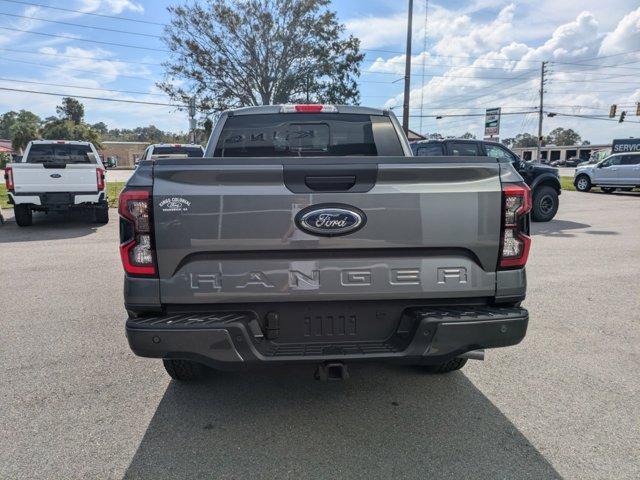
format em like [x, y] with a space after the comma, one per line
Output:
[8, 178]
[136, 246]
[515, 242]
[100, 178]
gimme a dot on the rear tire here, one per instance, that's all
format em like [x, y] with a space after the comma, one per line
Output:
[583, 183]
[627, 189]
[608, 189]
[24, 215]
[446, 367]
[102, 214]
[185, 370]
[545, 204]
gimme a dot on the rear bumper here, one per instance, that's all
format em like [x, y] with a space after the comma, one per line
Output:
[235, 340]
[57, 200]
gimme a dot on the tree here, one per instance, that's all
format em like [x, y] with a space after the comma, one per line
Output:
[6, 121]
[522, 140]
[207, 125]
[150, 134]
[62, 129]
[468, 136]
[232, 53]
[23, 128]
[100, 127]
[71, 109]
[21, 134]
[562, 137]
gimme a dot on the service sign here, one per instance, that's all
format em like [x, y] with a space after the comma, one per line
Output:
[492, 122]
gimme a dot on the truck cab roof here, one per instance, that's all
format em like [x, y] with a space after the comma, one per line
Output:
[267, 109]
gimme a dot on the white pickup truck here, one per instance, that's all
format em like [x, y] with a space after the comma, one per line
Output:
[57, 176]
[171, 150]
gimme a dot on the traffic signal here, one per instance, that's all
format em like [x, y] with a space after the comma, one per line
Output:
[612, 111]
[622, 115]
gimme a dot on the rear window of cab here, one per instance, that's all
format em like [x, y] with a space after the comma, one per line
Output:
[308, 135]
[60, 153]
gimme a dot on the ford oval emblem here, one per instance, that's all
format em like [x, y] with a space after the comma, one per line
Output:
[330, 220]
[55, 175]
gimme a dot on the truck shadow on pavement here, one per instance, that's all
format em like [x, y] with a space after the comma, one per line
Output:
[557, 228]
[562, 228]
[385, 422]
[49, 227]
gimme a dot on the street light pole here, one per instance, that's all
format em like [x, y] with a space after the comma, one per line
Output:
[407, 73]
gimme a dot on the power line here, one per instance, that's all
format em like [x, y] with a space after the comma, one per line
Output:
[113, 44]
[498, 59]
[437, 117]
[92, 72]
[79, 57]
[595, 80]
[589, 117]
[573, 92]
[133, 92]
[114, 17]
[118, 100]
[450, 65]
[454, 76]
[81, 26]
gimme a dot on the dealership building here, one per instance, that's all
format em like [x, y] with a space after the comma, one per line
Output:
[552, 153]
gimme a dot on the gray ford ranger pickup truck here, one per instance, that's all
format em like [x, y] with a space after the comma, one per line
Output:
[310, 234]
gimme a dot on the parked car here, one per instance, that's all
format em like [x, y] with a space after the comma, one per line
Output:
[57, 176]
[310, 234]
[572, 162]
[617, 171]
[174, 150]
[544, 181]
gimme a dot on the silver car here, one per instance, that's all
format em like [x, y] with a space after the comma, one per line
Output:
[618, 171]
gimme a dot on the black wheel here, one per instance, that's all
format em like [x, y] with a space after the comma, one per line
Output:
[608, 189]
[102, 214]
[446, 367]
[24, 215]
[545, 203]
[627, 189]
[583, 183]
[185, 370]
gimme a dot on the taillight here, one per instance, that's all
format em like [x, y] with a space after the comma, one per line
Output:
[515, 242]
[100, 178]
[136, 232]
[309, 108]
[8, 178]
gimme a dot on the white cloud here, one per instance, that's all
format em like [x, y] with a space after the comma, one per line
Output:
[111, 6]
[505, 72]
[466, 41]
[625, 37]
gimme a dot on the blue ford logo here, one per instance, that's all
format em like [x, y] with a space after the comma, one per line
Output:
[55, 175]
[330, 220]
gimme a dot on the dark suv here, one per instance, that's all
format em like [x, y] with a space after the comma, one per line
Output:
[544, 181]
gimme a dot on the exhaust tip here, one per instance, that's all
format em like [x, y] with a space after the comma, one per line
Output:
[473, 355]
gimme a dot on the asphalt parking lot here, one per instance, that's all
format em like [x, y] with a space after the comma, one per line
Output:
[76, 403]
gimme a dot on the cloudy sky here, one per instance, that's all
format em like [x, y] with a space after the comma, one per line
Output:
[475, 54]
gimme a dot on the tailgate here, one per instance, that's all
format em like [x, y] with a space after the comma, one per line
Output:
[228, 232]
[36, 178]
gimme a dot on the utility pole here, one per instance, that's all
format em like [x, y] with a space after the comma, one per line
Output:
[543, 72]
[407, 73]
